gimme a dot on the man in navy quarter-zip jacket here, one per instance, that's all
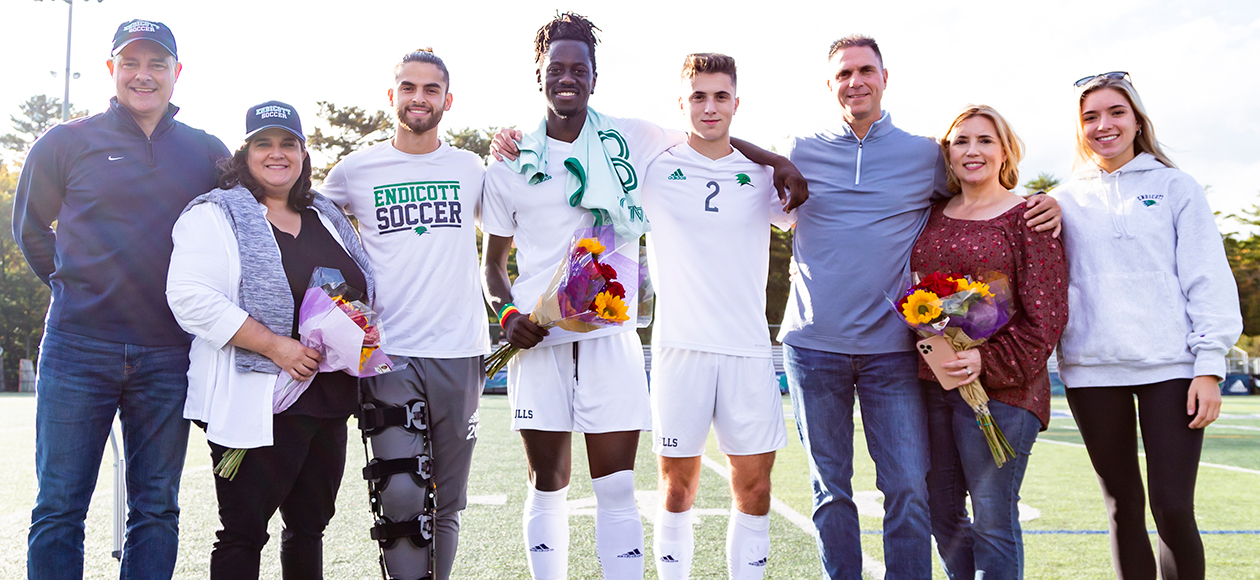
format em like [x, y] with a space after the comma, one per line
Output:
[114, 183]
[871, 187]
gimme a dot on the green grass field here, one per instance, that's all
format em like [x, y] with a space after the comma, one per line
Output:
[1060, 485]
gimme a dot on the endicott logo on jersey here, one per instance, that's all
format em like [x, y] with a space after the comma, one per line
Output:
[1151, 199]
[417, 207]
[743, 179]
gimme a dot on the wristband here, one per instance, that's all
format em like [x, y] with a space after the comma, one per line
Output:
[507, 310]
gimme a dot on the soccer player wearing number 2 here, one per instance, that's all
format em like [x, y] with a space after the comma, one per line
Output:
[708, 251]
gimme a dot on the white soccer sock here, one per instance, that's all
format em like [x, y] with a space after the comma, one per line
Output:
[547, 533]
[618, 529]
[747, 545]
[673, 543]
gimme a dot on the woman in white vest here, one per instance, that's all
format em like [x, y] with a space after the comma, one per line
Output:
[243, 259]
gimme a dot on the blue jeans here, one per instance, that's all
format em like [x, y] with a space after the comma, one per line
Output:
[81, 383]
[894, 418]
[962, 464]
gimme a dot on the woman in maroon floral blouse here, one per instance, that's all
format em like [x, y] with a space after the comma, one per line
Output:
[983, 230]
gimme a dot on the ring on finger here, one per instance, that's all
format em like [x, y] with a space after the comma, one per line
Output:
[968, 372]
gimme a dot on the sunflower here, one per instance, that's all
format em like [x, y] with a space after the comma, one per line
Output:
[591, 245]
[922, 307]
[978, 287]
[610, 307]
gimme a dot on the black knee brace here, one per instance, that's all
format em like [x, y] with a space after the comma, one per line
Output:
[400, 486]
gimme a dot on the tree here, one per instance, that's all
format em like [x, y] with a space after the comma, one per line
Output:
[38, 114]
[23, 297]
[1244, 261]
[350, 128]
[1043, 182]
[779, 283]
[474, 140]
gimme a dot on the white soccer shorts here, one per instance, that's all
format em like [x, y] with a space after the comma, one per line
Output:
[589, 386]
[738, 395]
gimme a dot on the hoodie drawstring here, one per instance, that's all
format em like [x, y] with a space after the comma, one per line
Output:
[1119, 226]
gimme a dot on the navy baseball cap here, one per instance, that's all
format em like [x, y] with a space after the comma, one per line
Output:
[273, 114]
[133, 30]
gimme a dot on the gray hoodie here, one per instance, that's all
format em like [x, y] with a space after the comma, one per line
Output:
[1150, 292]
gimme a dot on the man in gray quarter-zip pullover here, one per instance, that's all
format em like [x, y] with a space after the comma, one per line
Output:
[871, 186]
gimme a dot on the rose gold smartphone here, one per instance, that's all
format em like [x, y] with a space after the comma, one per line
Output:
[937, 351]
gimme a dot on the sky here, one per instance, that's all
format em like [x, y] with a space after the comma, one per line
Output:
[1193, 62]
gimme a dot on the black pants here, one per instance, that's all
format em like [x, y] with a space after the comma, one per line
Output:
[1105, 416]
[299, 475]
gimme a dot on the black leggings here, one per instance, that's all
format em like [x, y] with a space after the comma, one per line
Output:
[1105, 416]
[299, 475]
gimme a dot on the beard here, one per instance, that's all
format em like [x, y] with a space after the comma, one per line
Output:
[419, 127]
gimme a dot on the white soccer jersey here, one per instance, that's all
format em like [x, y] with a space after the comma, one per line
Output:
[417, 218]
[541, 221]
[709, 250]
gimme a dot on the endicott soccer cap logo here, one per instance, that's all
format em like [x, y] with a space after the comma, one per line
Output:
[133, 30]
[273, 114]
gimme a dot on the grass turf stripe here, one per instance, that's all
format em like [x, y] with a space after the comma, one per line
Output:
[1202, 463]
[870, 566]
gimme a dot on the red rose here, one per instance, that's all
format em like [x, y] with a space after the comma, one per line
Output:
[938, 284]
[354, 314]
[616, 289]
[608, 272]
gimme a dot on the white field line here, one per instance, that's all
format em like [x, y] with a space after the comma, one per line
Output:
[1239, 427]
[870, 566]
[1202, 463]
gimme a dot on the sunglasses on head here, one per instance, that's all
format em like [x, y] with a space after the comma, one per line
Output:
[1114, 75]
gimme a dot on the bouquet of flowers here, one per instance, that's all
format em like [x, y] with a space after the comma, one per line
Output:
[966, 311]
[334, 321]
[586, 292]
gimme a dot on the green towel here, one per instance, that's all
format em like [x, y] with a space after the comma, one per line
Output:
[601, 177]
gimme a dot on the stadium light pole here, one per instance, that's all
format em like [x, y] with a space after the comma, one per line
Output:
[65, 101]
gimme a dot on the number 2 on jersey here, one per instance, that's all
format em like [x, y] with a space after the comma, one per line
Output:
[714, 186]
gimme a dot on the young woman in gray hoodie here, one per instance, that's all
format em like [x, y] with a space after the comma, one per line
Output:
[1153, 310]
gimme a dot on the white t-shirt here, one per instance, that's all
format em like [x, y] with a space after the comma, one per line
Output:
[417, 217]
[541, 222]
[709, 250]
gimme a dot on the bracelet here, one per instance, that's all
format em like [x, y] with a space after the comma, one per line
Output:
[507, 310]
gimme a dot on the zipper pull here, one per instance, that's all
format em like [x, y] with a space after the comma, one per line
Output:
[857, 177]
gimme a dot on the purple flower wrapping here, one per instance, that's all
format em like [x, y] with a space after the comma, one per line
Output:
[583, 280]
[977, 318]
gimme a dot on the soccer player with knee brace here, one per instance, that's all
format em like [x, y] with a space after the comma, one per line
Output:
[711, 210]
[415, 198]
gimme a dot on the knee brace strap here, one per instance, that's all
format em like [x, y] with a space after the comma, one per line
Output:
[376, 415]
[378, 470]
[419, 531]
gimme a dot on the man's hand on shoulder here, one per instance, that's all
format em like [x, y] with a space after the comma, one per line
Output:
[791, 185]
[503, 145]
[1044, 214]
